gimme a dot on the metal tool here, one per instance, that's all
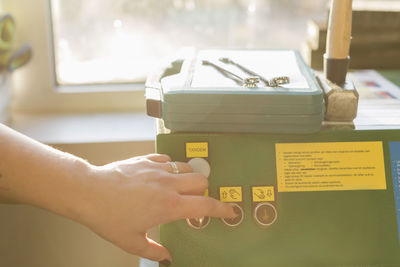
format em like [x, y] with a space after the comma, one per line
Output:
[229, 61]
[274, 82]
[250, 81]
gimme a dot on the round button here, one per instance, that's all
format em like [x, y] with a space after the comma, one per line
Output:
[198, 223]
[265, 214]
[238, 219]
[200, 165]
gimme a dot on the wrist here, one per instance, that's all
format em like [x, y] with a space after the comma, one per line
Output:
[92, 191]
[68, 192]
[81, 201]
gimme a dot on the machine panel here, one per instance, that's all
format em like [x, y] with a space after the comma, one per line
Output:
[329, 202]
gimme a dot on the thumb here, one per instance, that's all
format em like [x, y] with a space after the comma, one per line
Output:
[155, 251]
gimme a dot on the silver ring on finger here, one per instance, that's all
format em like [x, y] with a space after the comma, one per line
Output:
[174, 166]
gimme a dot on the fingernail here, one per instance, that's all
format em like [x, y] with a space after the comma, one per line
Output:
[235, 212]
[165, 262]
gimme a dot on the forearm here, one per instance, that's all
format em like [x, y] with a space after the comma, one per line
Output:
[119, 201]
[33, 173]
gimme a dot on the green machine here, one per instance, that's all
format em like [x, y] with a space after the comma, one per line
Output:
[311, 218]
[327, 196]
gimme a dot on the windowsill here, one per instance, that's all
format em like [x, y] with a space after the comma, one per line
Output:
[99, 138]
[80, 128]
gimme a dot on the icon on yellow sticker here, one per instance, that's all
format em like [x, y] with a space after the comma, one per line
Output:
[197, 150]
[230, 194]
[263, 193]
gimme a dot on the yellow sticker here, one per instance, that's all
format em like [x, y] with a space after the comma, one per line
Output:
[230, 194]
[197, 150]
[263, 193]
[330, 166]
[206, 193]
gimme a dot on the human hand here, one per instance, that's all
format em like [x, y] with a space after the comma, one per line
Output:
[119, 201]
[129, 197]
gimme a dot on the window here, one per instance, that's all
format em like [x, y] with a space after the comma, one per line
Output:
[116, 41]
[92, 55]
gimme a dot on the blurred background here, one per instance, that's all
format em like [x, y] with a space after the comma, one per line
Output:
[121, 40]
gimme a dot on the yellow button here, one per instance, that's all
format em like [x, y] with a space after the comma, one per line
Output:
[197, 150]
[230, 194]
[263, 193]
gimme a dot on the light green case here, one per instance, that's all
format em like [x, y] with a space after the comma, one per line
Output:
[197, 98]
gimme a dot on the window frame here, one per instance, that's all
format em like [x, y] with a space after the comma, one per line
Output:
[35, 87]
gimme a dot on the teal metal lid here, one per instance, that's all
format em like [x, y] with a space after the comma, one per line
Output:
[199, 83]
[210, 91]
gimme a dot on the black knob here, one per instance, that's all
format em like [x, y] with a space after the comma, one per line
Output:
[198, 223]
[265, 214]
[238, 219]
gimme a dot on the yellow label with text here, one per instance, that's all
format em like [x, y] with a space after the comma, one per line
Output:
[263, 193]
[197, 150]
[330, 166]
[230, 194]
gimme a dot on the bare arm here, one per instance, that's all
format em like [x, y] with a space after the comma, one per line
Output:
[119, 201]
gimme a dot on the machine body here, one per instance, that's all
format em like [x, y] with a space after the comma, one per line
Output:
[327, 199]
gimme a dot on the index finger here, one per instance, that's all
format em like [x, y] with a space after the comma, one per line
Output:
[158, 157]
[200, 206]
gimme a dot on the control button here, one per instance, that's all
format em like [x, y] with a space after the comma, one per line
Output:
[238, 219]
[200, 165]
[198, 223]
[265, 214]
